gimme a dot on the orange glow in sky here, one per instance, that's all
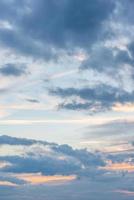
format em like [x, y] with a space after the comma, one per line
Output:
[119, 167]
[128, 107]
[40, 179]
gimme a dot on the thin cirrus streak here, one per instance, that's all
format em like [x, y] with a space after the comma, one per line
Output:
[108, 146]
[118, 148]
[63, 74]
[89, 120]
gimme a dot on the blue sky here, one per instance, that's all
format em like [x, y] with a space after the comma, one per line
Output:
[67, 77]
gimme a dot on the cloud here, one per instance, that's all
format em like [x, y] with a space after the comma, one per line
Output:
[51, 159]
[37, 28]
[83, 30]
[12, 70]
[7, 180]
[85, 157]
[116, 128]
[47, 158]
[4, 139]
[79, 189]
[57, 166]
[32, 100]
[107, 59]
[96, 99]
[46, 165]
[126, 8]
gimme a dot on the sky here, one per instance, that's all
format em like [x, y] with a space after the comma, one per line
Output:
[66, 99]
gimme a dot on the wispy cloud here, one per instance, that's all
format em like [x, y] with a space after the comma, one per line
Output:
[89, 120]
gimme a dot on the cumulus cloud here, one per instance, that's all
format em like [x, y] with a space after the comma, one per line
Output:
[53, 159]
[48, 158]
[41, 162]
[96, 99]
[12, 70]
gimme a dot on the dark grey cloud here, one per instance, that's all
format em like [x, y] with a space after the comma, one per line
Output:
[12, 70]
[74, 161]
[79, 106]
[105, 59]
[40, 26]
[87, 158]
[91, 107]
[113, 56]
[100, 98]
[46, 165]
[4, 139]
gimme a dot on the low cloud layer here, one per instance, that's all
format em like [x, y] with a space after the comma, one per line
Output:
[48, 159]
[62, 168]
